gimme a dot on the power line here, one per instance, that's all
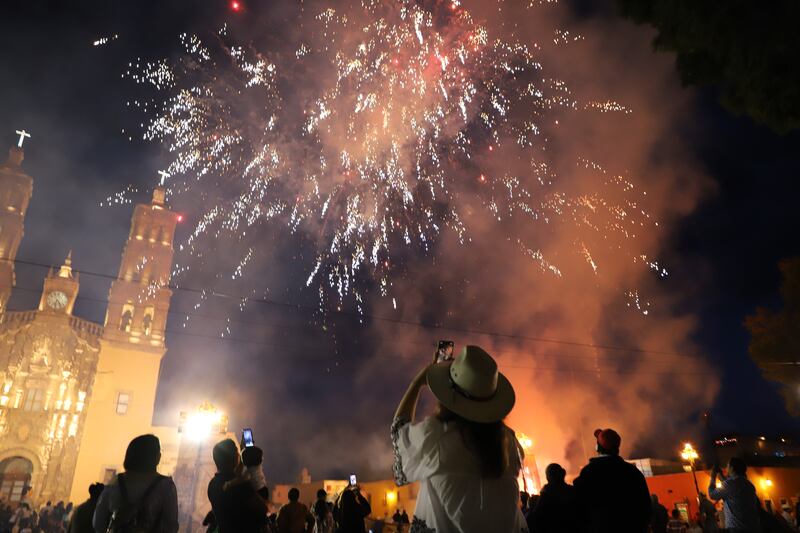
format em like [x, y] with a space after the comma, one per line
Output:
[284, 327]
[255, 342]
[237, 340]
[266, 301]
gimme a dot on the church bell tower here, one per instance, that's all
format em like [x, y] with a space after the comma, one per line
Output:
[138, 301]
[16, 189]
[132, 345]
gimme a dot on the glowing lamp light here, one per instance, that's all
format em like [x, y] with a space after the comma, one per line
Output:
[236, 6]
[180, 218]
[689, 453]
[766, 483]
[391, 497]
[525, 441]
[201, 423]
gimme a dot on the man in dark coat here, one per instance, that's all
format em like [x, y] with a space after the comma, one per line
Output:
[237, 506]
[555, 510]
[81, 520]
[612, 494]
[659, 518]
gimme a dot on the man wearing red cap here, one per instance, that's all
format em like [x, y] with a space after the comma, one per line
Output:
[612, 493]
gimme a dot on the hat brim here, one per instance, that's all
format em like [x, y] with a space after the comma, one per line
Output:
[484, 411]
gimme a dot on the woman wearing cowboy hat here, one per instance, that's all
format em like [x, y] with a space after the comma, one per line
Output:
[466, 459]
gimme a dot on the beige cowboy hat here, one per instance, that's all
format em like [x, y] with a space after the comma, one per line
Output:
[471, 387]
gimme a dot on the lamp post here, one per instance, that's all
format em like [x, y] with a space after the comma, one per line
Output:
[526, 443]
[766, 485]
[690, 455]
[198, 426]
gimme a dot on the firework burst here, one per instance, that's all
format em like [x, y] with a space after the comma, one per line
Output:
[372, 136]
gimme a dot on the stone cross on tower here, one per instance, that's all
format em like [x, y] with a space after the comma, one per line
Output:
[22, 134]
[164, 175]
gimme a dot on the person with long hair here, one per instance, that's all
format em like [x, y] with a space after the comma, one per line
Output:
[464, 456]
[140, 499]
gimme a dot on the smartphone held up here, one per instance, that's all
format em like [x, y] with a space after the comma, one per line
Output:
[444, 351]
[247, 438]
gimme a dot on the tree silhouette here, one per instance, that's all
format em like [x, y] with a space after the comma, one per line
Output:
[775, 337]
[746, 50]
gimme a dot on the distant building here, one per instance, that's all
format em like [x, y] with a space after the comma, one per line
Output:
[775, 486]
[759, 450]
[384, 496]
[656, 467]
[74, 393]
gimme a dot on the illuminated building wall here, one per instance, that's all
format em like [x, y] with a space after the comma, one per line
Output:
[73, 393]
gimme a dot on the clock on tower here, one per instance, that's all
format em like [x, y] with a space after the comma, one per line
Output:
[60, 289]
[57, 300]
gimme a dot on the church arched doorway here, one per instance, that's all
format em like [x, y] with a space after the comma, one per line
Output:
[15, 478]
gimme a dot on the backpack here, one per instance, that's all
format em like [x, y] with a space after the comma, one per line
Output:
[129, 518]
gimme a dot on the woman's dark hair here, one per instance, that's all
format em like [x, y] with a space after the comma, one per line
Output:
[143, 454]
[489, 441]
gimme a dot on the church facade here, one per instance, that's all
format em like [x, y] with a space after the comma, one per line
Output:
[73, 392]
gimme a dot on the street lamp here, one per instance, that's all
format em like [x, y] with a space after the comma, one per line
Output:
[526, 443]
[766, 485]
[690, 455]
[198, 426]
[200, 423]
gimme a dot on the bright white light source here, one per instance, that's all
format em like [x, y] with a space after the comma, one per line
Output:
[200, 424]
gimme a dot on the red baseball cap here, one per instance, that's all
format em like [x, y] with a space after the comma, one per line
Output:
[608, 439]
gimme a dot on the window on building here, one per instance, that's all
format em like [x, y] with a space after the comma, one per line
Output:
[147, 321]
[108, 475]
[127, 318]
[34, 399]
[123, 402]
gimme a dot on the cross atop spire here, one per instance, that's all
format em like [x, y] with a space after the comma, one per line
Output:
[164, 175]
[22, 134]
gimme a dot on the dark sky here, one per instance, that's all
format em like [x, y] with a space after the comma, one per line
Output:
[723, 256]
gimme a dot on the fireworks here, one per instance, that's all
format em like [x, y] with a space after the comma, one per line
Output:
[389, 124]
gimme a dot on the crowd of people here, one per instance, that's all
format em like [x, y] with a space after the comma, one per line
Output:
[465, 458]
[48, 518]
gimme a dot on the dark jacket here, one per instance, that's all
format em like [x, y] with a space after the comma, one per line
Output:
[237, 507]
[613, 496]
[351, 519]
[659, 518]
[81, 520]
[555, 510]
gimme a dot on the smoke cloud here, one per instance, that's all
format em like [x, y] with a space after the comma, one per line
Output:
[319, 389]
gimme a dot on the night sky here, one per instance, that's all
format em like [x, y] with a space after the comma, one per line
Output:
[303, 389]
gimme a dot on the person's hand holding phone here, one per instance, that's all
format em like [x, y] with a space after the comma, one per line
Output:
[444, 351]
